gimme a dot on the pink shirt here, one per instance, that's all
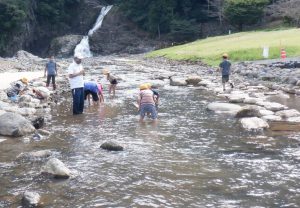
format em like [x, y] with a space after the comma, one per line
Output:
[146, 97]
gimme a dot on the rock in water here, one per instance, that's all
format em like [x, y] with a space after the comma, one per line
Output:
[224, 107]
[193, 80]
[35, 155]
[30, 199]
[56, 168]
[38, 122]
[111, 146]
[254, 123]
[248, 111]
[176, 81]
[288, 113]
[12, 124]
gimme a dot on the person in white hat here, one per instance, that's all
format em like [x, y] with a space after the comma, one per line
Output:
[76, 73]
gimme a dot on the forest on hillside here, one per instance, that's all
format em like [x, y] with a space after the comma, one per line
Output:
[175, 20]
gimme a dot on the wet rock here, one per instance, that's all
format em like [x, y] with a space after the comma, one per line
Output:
[193, 80]
[38, 122]
[248, 111]
[265, 112]
[30, 199]
[204, 83]
[237, 98]
[288, 113]
[176, 81]
[26, 111]
[252, 100]
[272, 106]
[56, 168]
[12, 124]
[64, 46]
[224, 107]
[43, 132]
[254, 123]
[271, 118]
[35, 154]
[111, 146]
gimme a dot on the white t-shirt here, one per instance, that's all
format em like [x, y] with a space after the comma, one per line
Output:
[75, 82]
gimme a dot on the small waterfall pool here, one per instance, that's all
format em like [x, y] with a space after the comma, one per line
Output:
[191, 158]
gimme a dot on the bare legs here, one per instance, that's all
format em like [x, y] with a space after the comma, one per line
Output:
[112, 89]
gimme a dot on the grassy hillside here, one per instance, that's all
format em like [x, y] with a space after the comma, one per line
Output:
[245, 46]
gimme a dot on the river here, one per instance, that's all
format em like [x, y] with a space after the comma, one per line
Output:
[191, 158]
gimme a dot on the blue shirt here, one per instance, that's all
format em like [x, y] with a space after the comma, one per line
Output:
[51, 68]
[91, 86]
[225, 67]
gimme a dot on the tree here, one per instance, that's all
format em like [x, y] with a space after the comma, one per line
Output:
[244, 12]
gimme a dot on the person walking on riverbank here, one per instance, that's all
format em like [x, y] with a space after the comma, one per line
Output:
[76, 73]
[225, 70]
[51, 71]
[113, 82]
[94, 89]
[146, 103]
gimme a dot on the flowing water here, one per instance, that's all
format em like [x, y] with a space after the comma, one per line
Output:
[83, 48]
[191, 158]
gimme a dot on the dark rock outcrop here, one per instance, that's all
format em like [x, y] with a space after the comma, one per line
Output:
[111, 146]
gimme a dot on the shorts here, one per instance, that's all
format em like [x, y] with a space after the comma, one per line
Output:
[148, 108]
[114, 82]
[94, 95]
[225, 78]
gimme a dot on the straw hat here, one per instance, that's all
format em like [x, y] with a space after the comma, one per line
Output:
[105, 71]
[149, 85]
[225, 55]
[24, 80]
[144, 87]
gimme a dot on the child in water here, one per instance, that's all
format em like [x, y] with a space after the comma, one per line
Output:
[112, 80]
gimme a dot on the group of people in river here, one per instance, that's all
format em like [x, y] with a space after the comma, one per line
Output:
[148, 98]
[82, 90]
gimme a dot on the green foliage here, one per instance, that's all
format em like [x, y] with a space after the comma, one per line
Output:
[244, 12]
[166, 16]
[183, 30]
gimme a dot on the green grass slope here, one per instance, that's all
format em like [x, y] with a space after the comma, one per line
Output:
[244, 46]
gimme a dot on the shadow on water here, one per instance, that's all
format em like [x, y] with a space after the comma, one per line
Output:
[191, 158]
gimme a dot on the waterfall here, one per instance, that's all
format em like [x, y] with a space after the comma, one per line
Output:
[83, 48]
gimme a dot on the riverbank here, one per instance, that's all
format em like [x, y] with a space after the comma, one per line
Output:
[191, 145]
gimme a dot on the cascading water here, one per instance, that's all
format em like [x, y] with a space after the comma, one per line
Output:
[83, 48]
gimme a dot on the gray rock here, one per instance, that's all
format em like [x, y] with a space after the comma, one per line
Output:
[271, 118]
[288, 113]
[64, 46]
[43, 132]
[254, 123]
[25, 98]
[12, 124]
[193, 80]
[30, 199]
[176, 81]
[56, 168]
[248, 111]
[111, 146]
[224, 107]
[35, 154]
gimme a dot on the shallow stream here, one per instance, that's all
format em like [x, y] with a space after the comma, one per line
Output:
[191, 158]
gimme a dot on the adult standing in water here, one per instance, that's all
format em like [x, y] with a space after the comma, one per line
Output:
[225, 70]
[51, 71]
[113, 82]
[76, 73]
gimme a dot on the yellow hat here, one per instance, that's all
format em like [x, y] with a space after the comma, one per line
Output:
[149, 85]
[225, 55]
[144, 87]
[24, 80]
[105, 71]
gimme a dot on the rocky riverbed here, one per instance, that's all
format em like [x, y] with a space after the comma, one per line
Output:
[265, 96]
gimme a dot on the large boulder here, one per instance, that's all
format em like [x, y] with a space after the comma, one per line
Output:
[64, 46]
[30, 199]
[224, 107]
[12, 124]
[56, 168]
[254, 123]
[111, 146]
[193, 80]
[177, 81]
